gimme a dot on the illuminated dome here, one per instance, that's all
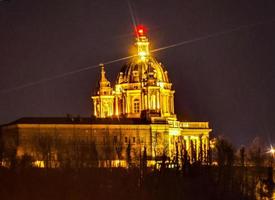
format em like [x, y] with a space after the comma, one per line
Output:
[141, 71]
[143, 68]
[142, 88]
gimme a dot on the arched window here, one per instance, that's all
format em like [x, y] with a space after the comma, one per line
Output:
[136, 106]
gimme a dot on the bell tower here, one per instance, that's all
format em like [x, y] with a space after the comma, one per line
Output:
[104, 100]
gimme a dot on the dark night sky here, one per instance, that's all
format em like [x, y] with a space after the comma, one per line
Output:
[227, 80]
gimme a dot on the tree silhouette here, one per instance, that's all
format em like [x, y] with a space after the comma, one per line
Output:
[119, 148]
[242, 156]
[128, 155]
[144, 159]
[108, 150]
[225, 152]
[1, 149]
[177, 156]
[256, 156]
[43, 147]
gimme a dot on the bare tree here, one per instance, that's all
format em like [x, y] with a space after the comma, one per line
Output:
[128, 155]
[144, 160]
[242, 156]
[255, 153]
[225, 150]
[185, 160]
[118, 148]
[177, 156]
[163, 161]
[200, 158]
[108, 150]
[9, 149]
[43, 146]
[93, 154]
[193, 152]
[1, 149]
[25, 162]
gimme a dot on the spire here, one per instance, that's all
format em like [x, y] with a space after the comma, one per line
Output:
[103, 80]
[142, 42]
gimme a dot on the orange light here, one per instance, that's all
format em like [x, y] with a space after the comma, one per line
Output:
[272, 150]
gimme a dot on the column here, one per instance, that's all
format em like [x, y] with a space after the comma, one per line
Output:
[95, 107]
[116, 105]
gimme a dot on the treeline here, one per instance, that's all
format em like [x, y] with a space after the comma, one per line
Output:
[225, 173]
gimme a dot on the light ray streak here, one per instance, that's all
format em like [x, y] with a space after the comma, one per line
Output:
[61, 75]
[210, 36]
[128, 57]
[132, 15]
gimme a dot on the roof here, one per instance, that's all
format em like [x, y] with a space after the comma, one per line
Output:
[77, 120]
[136, 71]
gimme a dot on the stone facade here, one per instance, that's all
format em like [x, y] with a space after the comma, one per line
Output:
[88, 143]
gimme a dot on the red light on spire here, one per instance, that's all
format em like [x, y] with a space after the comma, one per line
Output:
[141, 30]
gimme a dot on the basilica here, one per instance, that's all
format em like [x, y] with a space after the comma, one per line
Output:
[142, 88]
[130, 118]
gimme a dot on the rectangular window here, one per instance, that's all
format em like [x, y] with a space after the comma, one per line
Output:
[134, 140]
[115, 139]
[126, 139]
[136, 106]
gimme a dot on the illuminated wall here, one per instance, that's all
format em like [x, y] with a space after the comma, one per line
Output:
[87, 145]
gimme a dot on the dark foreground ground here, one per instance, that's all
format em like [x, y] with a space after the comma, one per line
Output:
[198, 183]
